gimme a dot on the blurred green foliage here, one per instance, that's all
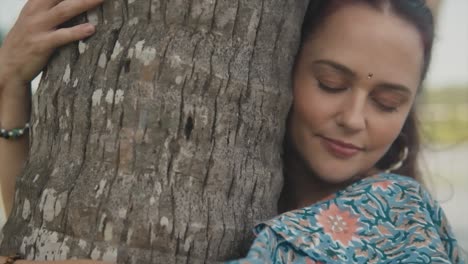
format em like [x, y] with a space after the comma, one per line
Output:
[446, 95]
[443, 114]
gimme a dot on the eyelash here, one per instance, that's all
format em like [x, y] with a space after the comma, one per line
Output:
[329, 89]
[387, 109]
[382, 107]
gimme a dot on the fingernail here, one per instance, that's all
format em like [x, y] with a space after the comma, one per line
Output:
[89, 29]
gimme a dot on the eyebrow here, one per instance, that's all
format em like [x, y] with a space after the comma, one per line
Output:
[347, 71]
[337, 66]
[396, 87]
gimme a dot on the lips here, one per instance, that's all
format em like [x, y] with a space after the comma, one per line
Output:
[340, 149]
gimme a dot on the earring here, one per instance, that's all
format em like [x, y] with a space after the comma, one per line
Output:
[401, 161]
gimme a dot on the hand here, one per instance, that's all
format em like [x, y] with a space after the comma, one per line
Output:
[34, 37]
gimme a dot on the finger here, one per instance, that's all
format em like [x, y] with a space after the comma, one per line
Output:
[68, 9]
[64, 36]
[40, 5]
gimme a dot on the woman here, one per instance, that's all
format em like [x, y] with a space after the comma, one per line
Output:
[357, 75]
[358, 72]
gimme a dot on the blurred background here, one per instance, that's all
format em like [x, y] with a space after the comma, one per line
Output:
[443, 110]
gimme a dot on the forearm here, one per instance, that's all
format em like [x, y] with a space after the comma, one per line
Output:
[14, 113]
[24, 53]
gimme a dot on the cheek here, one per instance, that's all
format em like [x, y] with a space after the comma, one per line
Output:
[309, 105]
[384, 131]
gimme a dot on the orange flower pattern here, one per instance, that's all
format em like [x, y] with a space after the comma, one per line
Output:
[383, 185]
[338, 224]
[384, 219]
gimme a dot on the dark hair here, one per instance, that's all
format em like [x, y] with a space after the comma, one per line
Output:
[417, 13]
[414, 11]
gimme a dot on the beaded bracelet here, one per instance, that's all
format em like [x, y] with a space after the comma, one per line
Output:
[14, 133]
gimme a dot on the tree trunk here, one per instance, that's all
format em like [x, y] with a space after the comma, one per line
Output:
[158, 140]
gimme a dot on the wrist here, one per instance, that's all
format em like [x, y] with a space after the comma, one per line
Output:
[14, 90]
[15, 103]
[9, 76]
[12, 87]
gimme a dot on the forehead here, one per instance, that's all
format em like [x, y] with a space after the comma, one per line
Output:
[367, 40]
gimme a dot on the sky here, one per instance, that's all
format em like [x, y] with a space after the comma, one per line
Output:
[450, 59]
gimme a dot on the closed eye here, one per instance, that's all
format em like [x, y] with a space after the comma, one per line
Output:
[330, 89]
[384, 107]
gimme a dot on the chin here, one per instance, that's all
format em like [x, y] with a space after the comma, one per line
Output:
[335, 178]
[335, 174]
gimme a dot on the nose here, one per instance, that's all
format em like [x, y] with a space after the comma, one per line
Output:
[351, 116]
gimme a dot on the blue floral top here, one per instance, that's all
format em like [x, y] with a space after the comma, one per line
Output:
[383, 219]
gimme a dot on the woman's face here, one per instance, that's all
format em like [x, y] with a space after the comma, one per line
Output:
[354, 85]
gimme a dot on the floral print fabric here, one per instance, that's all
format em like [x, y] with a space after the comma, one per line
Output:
[382, 219]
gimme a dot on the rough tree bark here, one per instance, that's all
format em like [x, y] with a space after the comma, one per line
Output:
[158, 140]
